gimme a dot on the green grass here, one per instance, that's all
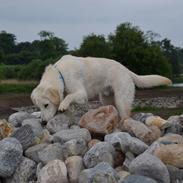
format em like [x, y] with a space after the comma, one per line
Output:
[16, 88]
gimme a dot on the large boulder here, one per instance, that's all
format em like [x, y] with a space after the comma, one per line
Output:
[59, 122]
[44, 152]
[55, 171]
[10, 156]
[66, 135]
[101, 121]
[35, 125]
[125, 142]
[17, 118]
[100, 152]
[102, 172]
[74, 166]
[74, 147]
[25, 135]
[140, 130]
[171, 154]
[150, 166]
[138, 179]
[25, 172]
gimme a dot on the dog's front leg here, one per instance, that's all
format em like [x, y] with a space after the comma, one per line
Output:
[78, 97]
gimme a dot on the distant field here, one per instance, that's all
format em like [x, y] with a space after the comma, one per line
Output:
[15, 86]
[15, 81]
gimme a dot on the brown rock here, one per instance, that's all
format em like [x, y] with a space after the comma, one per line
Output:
[93, 142]
[103, 120]
[140, 130]
[119, 158]
[171, 154]
[156, 121]
[6, 129]
[55, 171]
[156, 132]
[74, 166]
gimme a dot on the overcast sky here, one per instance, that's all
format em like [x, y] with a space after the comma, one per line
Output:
[73, 19]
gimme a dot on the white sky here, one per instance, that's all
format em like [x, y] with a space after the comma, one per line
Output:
[73, 19]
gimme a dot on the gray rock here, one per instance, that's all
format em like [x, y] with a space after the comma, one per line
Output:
[44, 152]
[100, 152]
[103, 173]
[25, 172]
[129, 157]
[55, 171]
[17, 118]
[33, 152]
[74, 127]
[10, 156]
[25, 135]
[74, 166]
[74, 147]
[150, 166]
[35, 124]
[174, 128]
[175, 125]
[138, 179]
[141, 116]
[58, 123]
[176, 174]
[125, 142]
[66, 135]
[50, 152]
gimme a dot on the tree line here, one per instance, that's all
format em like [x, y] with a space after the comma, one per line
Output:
[141, 52]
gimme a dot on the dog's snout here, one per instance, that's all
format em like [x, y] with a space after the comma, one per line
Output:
[43, 122]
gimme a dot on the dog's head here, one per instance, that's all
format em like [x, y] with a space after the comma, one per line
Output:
[47, 99]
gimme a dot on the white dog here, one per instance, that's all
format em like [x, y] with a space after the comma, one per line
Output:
[75, 79]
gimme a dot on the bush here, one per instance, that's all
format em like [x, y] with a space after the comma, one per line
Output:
[9, 71]
[34, 70]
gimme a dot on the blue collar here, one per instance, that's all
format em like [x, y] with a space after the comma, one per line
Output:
[60, 75]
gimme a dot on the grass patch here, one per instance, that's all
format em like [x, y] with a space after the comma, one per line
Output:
[163, 112]
[6, 88]
[178, 79]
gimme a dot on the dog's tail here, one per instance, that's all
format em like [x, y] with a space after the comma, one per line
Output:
[149, 81]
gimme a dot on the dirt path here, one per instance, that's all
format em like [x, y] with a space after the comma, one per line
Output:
[8, 101]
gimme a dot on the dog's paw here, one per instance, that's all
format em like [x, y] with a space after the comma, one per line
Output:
[63, 107]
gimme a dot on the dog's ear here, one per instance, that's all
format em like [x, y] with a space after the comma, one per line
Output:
[49, 67]
[53, 96]
[33, 96]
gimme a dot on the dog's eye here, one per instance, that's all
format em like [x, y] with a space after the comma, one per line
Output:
[46, 105]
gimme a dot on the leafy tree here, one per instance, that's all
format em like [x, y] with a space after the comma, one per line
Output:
[7, 42]
[94, 46]
[172, 54]
[138, 51]
[45, 35]
[51, 46]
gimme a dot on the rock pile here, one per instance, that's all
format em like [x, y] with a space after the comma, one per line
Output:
[93, 148]
[160, 102]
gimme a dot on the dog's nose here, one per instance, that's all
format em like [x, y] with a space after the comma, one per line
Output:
[43, 122]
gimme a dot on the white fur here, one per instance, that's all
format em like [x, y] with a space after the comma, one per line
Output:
[87, 77]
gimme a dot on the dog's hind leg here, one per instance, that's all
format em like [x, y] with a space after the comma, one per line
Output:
[124, 96]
